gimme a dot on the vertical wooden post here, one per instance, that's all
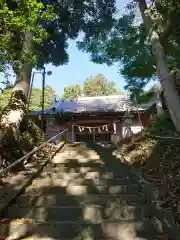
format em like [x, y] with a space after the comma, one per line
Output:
[114, 128]
[94, 139]
[72, 132]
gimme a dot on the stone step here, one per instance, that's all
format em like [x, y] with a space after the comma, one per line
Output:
[48, 200]
[76, 155]
[94, 213]
[69, 187]
[89, 176]
[82, 230]
[83, 181]
[76, 167]
[102, 169]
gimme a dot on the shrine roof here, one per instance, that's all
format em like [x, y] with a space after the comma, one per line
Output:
[115, 103]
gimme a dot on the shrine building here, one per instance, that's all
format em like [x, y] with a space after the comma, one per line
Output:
[95, 119]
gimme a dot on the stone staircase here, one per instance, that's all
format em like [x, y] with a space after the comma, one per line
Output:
[83, 193]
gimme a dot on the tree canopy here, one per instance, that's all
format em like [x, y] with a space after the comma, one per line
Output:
[36, 97]
[146, 96]
[128, 45]
[92, 86]
[34, 33]
[49, 24]
[99, 86]
[72, 91]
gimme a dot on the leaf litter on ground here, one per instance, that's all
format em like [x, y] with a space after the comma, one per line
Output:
[158, 159]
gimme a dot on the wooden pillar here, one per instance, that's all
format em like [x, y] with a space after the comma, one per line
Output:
[115, 128]
[94, 139]
[72, 132]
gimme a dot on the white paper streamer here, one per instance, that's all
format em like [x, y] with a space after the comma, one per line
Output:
[114, 126]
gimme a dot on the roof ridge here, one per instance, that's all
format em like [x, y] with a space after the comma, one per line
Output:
[97, 97]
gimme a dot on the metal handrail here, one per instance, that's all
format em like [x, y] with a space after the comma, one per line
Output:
[30, 153]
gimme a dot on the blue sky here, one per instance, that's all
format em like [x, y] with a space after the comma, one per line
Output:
[80, 67]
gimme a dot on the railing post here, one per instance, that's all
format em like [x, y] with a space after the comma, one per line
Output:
[67, 135]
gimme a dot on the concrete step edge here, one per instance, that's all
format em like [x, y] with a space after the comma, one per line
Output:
[75, 222]
[85, 195]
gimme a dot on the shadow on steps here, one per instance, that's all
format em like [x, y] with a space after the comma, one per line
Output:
[88, 194]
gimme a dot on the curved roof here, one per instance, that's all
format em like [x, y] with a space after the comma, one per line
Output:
[117, 103]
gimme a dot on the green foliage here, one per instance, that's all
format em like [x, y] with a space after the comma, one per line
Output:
[146, 96]
[92, 86]
[31, 133]
[11, 149]
[4, 97]
[72, 91]
[167, 16]
[161, 125]
[51, 24]
[127, 45]
[158, 161]
[99, 86]
[36, 97]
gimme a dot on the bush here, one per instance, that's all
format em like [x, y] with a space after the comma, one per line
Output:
[12, 149]
[158, 160]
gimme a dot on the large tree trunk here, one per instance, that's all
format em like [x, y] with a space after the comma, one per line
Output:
[167, 80]
[13, 114]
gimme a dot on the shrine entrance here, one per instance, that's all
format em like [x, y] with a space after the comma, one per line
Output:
[93, 132]
[84, 138]
[93, 137]
[102, 137]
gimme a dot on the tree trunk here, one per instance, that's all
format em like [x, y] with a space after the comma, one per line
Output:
[167, 80]
[12, 115]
